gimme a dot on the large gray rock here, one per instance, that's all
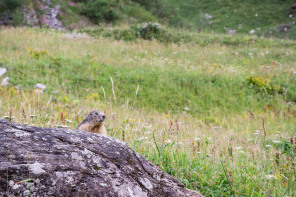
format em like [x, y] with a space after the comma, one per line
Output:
[59, 162]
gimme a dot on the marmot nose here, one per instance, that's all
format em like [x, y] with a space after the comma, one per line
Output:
[104, 116]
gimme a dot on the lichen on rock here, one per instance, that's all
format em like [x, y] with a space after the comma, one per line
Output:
[59, 162]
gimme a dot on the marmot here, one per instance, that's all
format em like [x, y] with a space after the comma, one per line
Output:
[94, 123]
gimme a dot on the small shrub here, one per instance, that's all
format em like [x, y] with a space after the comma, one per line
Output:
[150, 30]
[36, 54]
[99, 10]
[286, 148]
[262, 84]
[10, 4]
[210, 119]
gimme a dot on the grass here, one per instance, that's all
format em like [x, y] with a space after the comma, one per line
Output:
[190, 108]
[269, 18]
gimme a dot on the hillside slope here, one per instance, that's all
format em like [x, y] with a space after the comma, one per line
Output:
[267, 18]
[218, 114]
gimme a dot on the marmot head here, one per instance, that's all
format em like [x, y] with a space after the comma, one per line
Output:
[97, 117]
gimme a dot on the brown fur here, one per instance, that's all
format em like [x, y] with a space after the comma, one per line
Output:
[94, 123]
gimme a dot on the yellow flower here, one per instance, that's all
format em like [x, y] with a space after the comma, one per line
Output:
[278, 176]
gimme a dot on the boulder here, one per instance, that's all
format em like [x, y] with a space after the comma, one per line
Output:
[5, 81]
[37, 161]
[2, 71]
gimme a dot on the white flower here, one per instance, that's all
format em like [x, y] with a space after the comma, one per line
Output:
[237, 148]
[268, 146]
[232, 31]
[276, 142]
[168, 142]
[252, 31]
[196, 139]
[208, 16]
[142, 138]
[40, 86]
[270, 176]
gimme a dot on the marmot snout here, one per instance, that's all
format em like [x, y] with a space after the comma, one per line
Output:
[94, 123]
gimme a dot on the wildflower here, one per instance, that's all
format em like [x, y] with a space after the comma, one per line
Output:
[40, 86]
[252, 31]
[268, 146]
[276, 142]
[38, 90]
[237, 148]
[278, 176]
[186, 108]
[142, 138]
[270, 177]
[196, 139]
[168, 142]
[208, 16]
[69, 121]
[232, 31]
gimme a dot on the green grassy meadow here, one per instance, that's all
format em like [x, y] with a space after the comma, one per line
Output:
[217, 111]
[269, 18]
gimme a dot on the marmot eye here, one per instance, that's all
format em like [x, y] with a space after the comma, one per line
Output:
[96, 113]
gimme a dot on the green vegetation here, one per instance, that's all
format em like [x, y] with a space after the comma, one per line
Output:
[10, 11]
[10, 5]
[215, 111]
[264, 18]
